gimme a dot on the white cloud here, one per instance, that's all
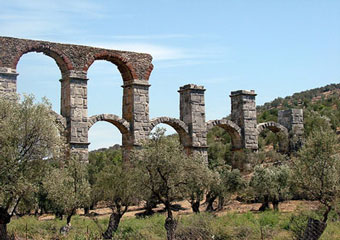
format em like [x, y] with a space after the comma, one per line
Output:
[163, 52]
[151, 36]
[157, 51]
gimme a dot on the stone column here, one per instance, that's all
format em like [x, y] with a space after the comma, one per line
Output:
[136, 111]
[292, 119]
[243, 113]
[8, 82]
[192, 112]
[74, 109]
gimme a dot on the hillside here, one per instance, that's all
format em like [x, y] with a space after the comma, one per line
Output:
[323, 102]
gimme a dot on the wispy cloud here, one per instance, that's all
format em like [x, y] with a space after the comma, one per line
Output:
[151, 37]
[158, 52]
[164, 52]
[41, 19]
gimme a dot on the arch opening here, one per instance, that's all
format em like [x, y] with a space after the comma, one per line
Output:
[106, 80]
[231, 128]
[104, 135]
[272, 136]
[124, 69]
[39, 75]
[174, 126]
[62, 62]
[104, 148]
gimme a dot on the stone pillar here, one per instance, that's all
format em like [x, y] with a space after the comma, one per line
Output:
[8, 82]
[243, 113]
[136, 111]
[74, 109]
[192, 112]
[292, 119]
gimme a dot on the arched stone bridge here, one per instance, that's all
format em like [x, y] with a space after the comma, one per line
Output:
[135, 125]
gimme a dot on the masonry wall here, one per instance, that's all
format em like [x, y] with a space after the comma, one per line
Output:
[8, 79]
[292, 119]
[243, 113]
[192, 112]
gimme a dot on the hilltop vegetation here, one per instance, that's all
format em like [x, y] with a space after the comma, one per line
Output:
[318, 102]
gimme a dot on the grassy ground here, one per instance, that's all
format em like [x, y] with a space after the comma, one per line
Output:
[229, 225]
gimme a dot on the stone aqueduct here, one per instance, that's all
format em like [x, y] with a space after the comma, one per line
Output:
[135, 125]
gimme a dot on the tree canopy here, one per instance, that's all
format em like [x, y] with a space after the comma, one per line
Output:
[28, 138]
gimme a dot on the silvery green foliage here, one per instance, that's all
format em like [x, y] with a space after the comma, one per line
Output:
[165, 171]
[272, 182]
[164, 168]
[28, 137]
[68, 187]
[317, 167]
[116, 185]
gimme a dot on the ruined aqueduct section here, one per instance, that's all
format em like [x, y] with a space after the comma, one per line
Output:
[134, 124]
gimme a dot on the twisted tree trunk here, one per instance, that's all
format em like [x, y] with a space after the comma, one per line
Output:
[170, 223]
[113, 225]
[275, 203]
[210, 199]
[195, 206]
[315, 228]
[220, 205]
[265, 204]
[5, 218]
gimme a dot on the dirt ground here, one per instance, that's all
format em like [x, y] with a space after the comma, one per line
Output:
[232, 206]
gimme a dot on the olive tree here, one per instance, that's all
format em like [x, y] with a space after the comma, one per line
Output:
[164, 170]
[229, 182]
[317, 170]
[28, 136]
[271, 184]
[198, 184]
[116, 185]
[68, 187]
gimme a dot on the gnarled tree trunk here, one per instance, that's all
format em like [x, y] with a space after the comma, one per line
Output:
[170, 223]
[113, 225]
[210, 199]
[195, 206]
[220, 205]
[275, 203]
[314, 229]
[5, 218]
[265, 204]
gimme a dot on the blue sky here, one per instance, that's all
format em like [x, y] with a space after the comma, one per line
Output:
[274, 47]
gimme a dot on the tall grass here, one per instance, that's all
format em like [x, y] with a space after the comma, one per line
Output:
[266, 225]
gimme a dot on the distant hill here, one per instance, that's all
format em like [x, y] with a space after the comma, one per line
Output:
[323, 101]
[112, 148]
[304, 98]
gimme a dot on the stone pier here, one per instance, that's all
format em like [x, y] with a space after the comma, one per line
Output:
[192, 113]
[292, 119]
[243, 113]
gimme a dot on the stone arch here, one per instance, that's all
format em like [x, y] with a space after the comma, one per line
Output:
[233, 129]
[180, 127]
[120, 123]
[126, 70]
[272, 126]
[276, 128]
[61, 59]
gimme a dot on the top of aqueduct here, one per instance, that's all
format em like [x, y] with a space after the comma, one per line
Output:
[76, 58]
